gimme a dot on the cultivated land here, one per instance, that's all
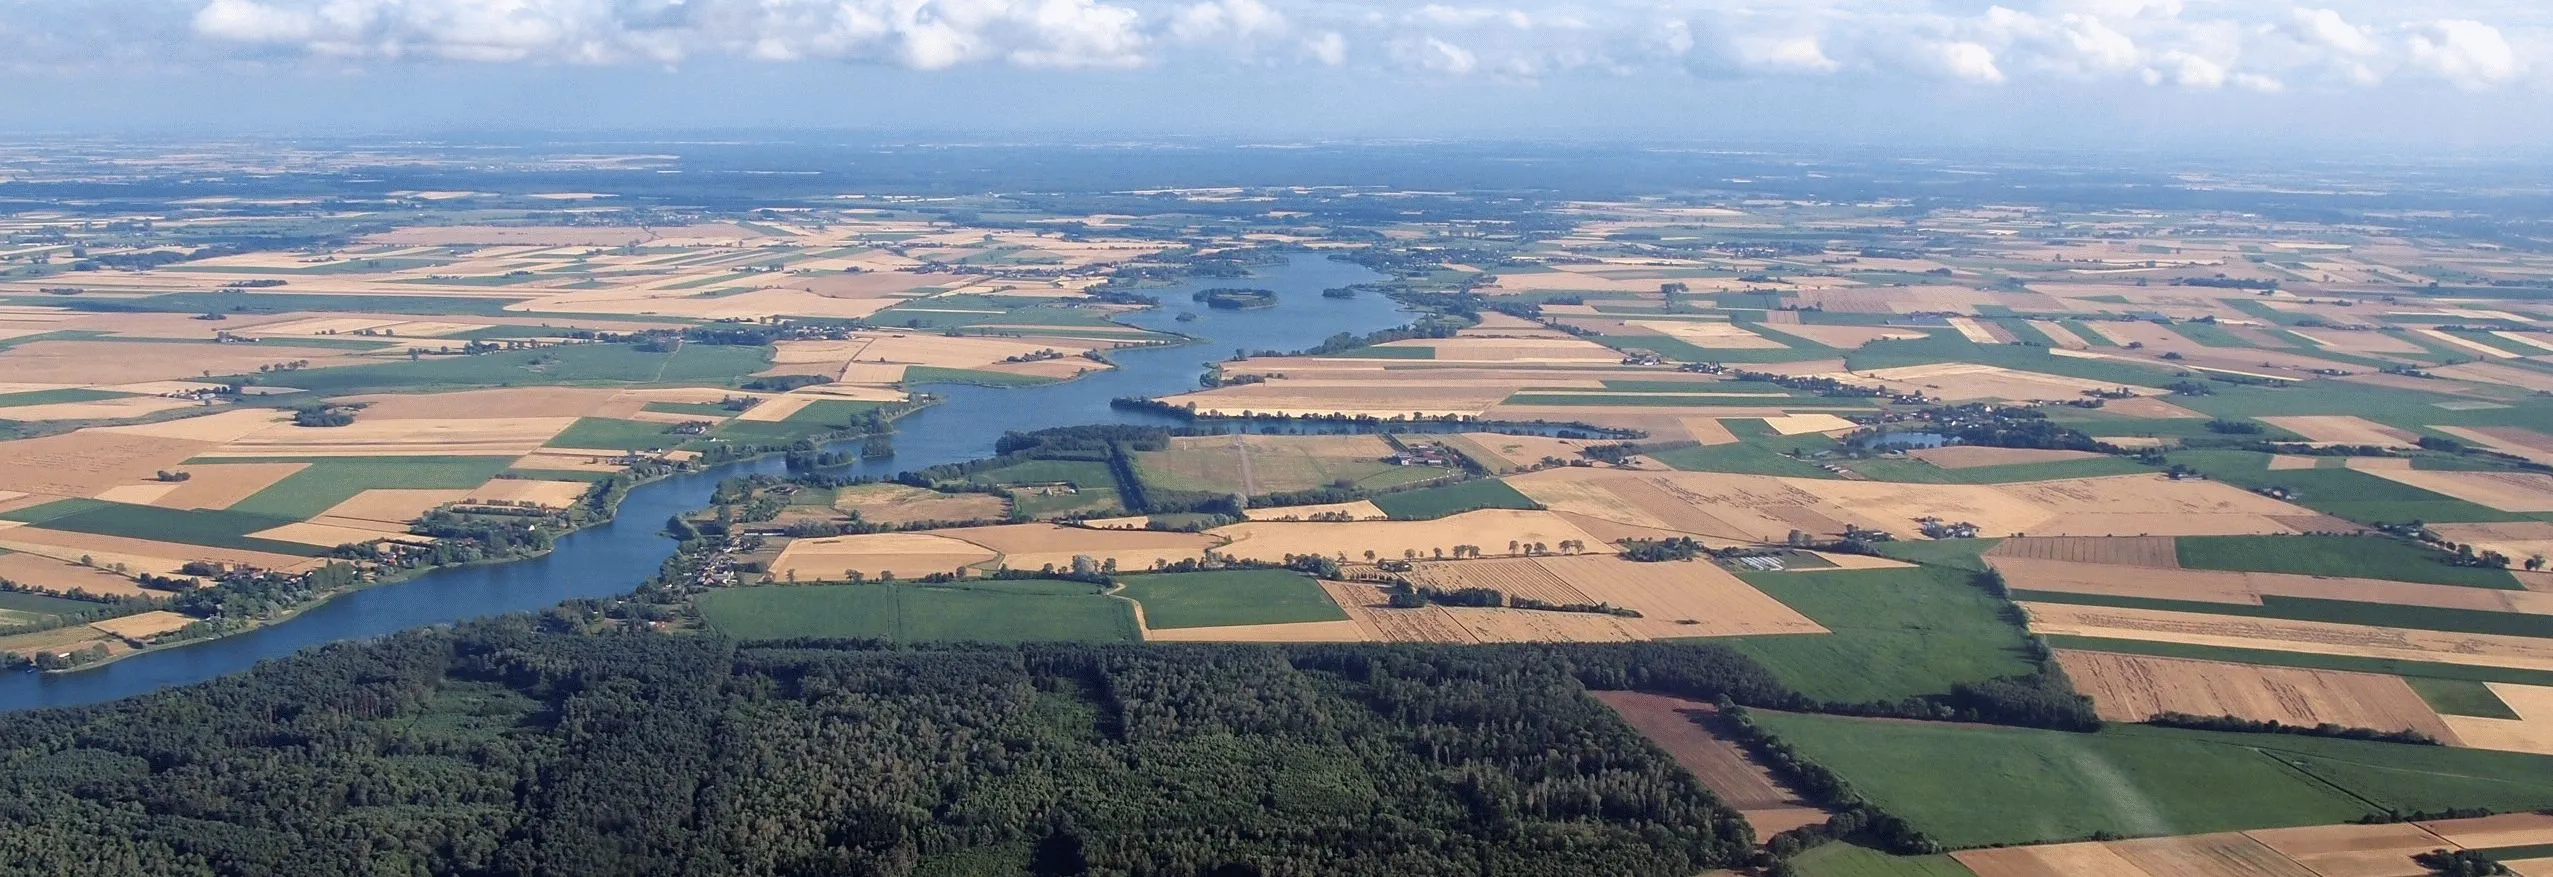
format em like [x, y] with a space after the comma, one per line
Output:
[2226, 463]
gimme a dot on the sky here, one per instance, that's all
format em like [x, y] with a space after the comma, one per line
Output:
[2443, 75]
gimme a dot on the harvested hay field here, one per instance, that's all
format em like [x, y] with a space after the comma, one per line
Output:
[910, 555]
[1968, 381]
[1845, 337]
[520, 491]
[2383, 850]
[392, 505]
[2229, 854]
[1491, 529]
[37, 572]
[2134, 688]
[225, 426]
[1367, 607]
[141, 627]
[2531, 731]
[218, 486]
[1709, 334]
[87, 462]
[384, 437]
[2148, 407]
[1761, 508]
[2288, 462]
[505, 403]
[140, 555]
[122, 408]
[1977, 457]
[1360, 510]
[1292, 632]
[2519, 539]
[900, 504]
[2488, 832]
[2342, 429]
[1673, 599]
[1681, 728]
[1801, 424]
[2148, 551]
[1033, 546]
[1508, 453]
[2249, 588]
[2308, 637]
[2502, 491]
[94, 363]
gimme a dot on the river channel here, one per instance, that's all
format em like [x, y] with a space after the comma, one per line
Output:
[613, 557]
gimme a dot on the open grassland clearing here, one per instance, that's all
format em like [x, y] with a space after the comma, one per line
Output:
[1968, 785]
[2134, 688]
[1228, 598]
[1892, 633]
[1683, 728]
[1027, 610]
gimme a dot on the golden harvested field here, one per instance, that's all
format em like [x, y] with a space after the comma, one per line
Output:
[2206, 855]
[94, 363]
[2518, 539]
[2148, 551]
[104, 409]
[1709, 334]
[86, 462]
[1675, 725]
[899, 504]
[1033, 546]
[47, 574]
[218, 486]
[2531, 731]
[1965, 381]
[1707, 430]
[1673, 599]
[143, 626]
[332, 532]
[1845, 337]
[910, 555]
[393, 505]
[2383, 850]
[140, 555]
[548, 494]
[2468, 345]
[2224, 586]
[495, 404]
[1491, 529]
[1506, 453]
[2313, 637]
[1758, 508]
[1295, 632]
[2528, 443]
[2342, 429]
[2505, 491]
[2495, 373]
[2284, 462]
[385, 437]
[2060, 335]
[1978, 456]
[2134, 688]
[565, 236]
[1800, 424]
[215, 428]
[1366, 607]
[2487, 832]
[1360, 510]
[2148, 407]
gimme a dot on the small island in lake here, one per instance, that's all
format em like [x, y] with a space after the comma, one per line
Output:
[1237, 299]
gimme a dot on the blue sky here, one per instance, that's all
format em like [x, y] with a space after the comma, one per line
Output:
[2449, 74]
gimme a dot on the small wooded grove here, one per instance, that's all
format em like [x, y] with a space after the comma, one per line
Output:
[496, 748]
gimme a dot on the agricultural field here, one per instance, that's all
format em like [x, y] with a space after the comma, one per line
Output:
[1005, 611]
[1229, 598]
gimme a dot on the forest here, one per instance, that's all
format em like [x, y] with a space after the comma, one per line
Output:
[507, 747]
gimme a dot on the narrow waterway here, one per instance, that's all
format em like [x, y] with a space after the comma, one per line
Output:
[613, 557]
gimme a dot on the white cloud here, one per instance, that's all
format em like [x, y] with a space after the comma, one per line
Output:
[1798, 54]
[1330, 49]
[1227, 20]
[2468, 53]
[1435, 56]
[1967, 61]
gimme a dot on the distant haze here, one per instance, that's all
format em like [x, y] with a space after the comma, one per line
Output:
[2450, 75]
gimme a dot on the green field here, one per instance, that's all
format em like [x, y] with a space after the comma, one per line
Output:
[932, 374]
[1214, 466]
[1847, 860]
[1759, 450]
[48, 397]
[2372, 557]
[213, 528]
[710, 364]
[613, 434]
[1972, 785]
[1896, 633]
[1085, 474]
[329, 481]
[1229, 597]
[20, 607]
[704, 410]
[1436, 502]
[2345, 493]
[993, 611]
[2461, 697]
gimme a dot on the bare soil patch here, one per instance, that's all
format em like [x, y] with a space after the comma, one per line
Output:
[1681, 728]
[2147, 551]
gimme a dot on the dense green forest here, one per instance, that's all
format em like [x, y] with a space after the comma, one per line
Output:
[500, 749]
